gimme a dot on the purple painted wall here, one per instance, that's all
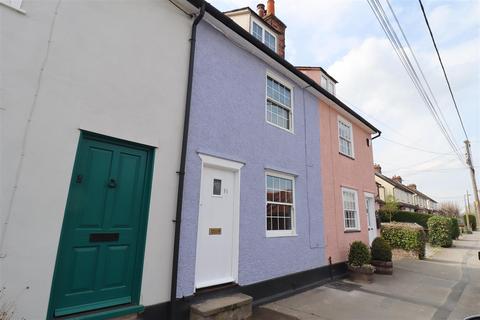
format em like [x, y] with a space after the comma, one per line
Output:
[228, 120]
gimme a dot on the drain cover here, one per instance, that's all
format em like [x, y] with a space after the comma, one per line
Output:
[344, 286]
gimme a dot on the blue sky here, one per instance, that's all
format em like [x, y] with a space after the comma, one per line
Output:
[344, 37]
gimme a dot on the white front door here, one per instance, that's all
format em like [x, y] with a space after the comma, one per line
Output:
[217, 236]
[371, 219]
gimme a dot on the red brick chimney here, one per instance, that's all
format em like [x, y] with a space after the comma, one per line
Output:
[412, 186]
[261, 10]
[277, 25]
[397, 179]
[271, 7]
[377, 168]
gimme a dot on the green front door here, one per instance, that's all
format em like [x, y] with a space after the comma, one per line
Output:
[101, 249]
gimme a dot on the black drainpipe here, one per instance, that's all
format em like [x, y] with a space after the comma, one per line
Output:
[181, 173]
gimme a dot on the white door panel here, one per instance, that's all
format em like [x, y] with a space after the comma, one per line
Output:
[216, 228]
[371, 219]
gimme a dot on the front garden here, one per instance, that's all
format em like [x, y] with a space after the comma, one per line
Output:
[402, 234]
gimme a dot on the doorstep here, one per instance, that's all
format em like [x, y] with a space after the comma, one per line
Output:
[235, 306]
[123, 312]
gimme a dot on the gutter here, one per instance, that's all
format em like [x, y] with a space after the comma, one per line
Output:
[214, 12]
[181, 172]
[379, 133]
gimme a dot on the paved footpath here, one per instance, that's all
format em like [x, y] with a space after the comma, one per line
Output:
[444, 286]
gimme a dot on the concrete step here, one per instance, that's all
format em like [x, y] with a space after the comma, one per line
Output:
[236, 306]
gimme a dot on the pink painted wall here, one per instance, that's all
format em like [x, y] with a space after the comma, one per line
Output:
[340, 171]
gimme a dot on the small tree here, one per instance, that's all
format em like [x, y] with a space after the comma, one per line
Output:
[391, 206]
[450, 209]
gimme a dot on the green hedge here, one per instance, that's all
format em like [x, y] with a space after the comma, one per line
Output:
[405, 216]
[406, 236]
[358, 254]
[455, 233]
[440, 231]
[473, 221]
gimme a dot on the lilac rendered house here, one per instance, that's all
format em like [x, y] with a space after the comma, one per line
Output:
[252, 217]
[252, 196]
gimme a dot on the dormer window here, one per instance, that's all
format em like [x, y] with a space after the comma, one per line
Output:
[257, 31]
[331, 87]
[264, 36]
[323, 82]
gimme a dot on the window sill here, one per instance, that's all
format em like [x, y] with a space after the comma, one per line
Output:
[352, 231]
[12, 7]
[279, 127]
[280, 235]
[346, 155]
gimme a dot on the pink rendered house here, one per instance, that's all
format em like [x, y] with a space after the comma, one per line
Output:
[347, 172]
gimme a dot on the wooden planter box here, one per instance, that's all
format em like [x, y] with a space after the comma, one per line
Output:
[382, 267]
[361, 274]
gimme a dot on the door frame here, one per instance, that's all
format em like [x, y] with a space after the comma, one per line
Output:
[369, 218]
[232, 166]
[143, 223]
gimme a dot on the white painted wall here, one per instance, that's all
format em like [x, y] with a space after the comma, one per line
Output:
[241, 18]
[114, 67]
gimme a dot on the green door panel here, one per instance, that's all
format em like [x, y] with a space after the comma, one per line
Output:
[103, 233]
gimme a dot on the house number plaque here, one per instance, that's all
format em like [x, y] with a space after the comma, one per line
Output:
[214, 231]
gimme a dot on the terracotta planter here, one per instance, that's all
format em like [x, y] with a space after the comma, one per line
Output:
[382, 267]
[361, 274]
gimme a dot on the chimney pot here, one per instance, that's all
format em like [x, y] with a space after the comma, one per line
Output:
[397, 179]
[271, 7]
[261, 10]
[377, 168]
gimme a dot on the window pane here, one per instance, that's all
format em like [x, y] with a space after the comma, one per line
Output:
[278, 115]
[345, 138]
[278, 92]
[350, 209]
[323, 82]
[217, 187]
[270, 41]
[331, 87]
[257, 31]
[279, 203]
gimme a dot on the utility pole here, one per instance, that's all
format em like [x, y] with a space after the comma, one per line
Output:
[467, 211]
[476, 204]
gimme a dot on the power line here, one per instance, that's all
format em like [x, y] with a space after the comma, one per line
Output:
[416, 164]
[443, 68]
[418, 66]
[414, 76]
[383, 19]
[417, 148]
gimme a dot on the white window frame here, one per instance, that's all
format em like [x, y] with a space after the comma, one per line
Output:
[13, 4]
[288, 85]
[261, 27]
[280, 233]
[322, 80]
[349, 124]
[274, 39]
[264, 29]
[357, 215]
[332, 85]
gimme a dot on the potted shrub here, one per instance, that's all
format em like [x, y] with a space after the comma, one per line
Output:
[382, 256]
[359, 266]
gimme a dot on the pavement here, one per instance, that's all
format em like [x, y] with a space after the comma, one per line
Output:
[446, 285]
